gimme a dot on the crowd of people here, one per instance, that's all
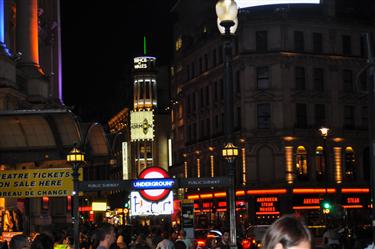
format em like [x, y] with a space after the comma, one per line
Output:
[288, 232]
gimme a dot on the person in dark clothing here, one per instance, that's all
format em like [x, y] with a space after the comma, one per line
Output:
[42, 241]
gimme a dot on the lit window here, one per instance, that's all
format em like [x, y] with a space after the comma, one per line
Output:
[320, 163]
[301, 163]
[178, 43]
[349, 163]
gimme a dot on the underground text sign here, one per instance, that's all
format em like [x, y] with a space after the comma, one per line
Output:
[36, 182]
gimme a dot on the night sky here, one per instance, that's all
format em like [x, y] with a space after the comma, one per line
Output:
[99, 41]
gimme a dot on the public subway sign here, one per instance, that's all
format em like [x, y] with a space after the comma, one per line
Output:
[36, 182]
[252, 3]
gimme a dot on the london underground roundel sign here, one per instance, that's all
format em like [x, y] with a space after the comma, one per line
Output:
[154, 194]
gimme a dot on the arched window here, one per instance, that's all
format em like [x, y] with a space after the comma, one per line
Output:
[320, 163]
[301, 163]
[349, 163]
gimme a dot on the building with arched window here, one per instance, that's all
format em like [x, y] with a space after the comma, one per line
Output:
[294, 70]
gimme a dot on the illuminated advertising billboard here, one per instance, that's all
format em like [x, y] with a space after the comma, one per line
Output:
[141, 125]
[142, 207]
[252, 3]
[144, 62]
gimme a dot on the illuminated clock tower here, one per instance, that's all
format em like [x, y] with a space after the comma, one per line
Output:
[149, 130]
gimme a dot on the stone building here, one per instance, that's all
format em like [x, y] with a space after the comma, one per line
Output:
[295, 70]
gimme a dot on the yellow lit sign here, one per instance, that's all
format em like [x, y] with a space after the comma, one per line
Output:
[99, 206]
[141, 125]
[36, 182]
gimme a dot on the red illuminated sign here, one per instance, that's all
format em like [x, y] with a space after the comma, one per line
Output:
[267, 205]
[154, 194]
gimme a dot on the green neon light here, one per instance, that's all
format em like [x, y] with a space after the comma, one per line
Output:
[144, 45]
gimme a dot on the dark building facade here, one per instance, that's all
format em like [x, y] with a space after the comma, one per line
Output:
[295, 70]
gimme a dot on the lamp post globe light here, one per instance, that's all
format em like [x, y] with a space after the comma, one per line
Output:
[324, 133]
[226, 11]
[75, 157]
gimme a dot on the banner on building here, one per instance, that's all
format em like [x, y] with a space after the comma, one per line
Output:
[36, 182]
[141, 125]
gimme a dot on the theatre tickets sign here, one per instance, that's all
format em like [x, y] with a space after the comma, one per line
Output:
[36, 183]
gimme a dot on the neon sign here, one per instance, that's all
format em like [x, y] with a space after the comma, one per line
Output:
[152, 184]
[252, 3]
[267, 205]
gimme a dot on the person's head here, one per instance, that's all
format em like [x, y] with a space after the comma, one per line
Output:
[42, 241]
[179, 244]
[105, 235]
[182, 234]
[225, 236]
[288, 232]
[19, 241]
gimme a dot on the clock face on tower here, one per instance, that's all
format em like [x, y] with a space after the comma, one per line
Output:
[141, 126]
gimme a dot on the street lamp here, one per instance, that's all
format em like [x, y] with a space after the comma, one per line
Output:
[76, 158]
[324, 133]
[226, 11]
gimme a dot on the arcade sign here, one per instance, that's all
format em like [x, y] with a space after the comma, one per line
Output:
[252, 3]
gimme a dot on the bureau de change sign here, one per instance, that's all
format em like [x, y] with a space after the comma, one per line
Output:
[36, 182]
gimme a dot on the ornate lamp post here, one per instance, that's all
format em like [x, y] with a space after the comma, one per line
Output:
[324, 133]
[75, 158]
[226, 11]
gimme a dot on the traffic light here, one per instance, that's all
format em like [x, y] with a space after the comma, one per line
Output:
[326, 207]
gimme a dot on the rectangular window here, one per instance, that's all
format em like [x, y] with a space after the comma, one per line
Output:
[319, 79]
[194, 104]
[221, 89]
[261, 40]
[301, 116]
[346, 45]
[216, 91]
[201, 129]
[300, 78]
[194, 135]
[187, 72]
[188, 105]
[222, 122]
[347, 81]
[189, 133]
[264, 116]
[364, 116]
[200, 65]
[207, 93]
[192, 70]
[205, 62]
[208, 124]
[349, 117]
[317, 43]
[201, 99]
[238, 120]
[237, 82]
[214, 58]
[299, 41]
[320, 115]
[221, 58]
[263, 78]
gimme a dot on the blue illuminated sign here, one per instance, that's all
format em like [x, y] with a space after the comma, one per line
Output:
[141, 184]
